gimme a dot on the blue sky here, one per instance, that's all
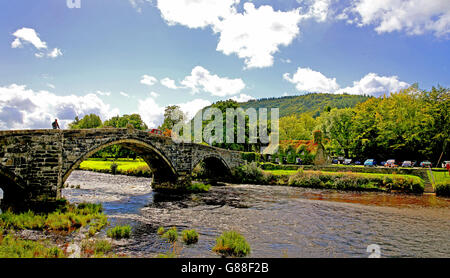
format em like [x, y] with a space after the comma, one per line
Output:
[59, 62]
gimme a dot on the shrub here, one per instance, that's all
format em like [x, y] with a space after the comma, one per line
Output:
[190, 236]
[231, 243]
[113, 168]
[442, 188]
[102, 246]
[12, 247]
[119, 232]
[251, 156]
[171, 235]
[198, 187]
[248, 173]
[160, 231]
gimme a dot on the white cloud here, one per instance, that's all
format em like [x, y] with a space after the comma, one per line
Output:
[191, 108]
[242, 98]
[152, 114]
[169, 83]
[55, 53]
[375, 85]
[415, 17]
[124, 94]
[256, 34]
[154, 95]
[148, 80]
[308, 80]
[16, 43]
[30, 36]
[202, 80]
[195, 13]
[100, 93]
[23, 108]
[320, 10]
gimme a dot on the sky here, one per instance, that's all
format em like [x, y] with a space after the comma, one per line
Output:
[61, 59]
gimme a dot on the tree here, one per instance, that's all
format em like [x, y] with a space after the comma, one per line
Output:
[122, 121]
[88, 121]
[172, 116]
[337, 125]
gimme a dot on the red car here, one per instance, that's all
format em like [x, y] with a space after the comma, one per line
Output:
[156, 131]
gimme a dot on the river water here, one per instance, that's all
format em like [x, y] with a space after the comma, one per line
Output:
[277, 221]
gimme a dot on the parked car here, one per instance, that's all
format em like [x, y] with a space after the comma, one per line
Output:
[370, 162]
[347, 161]
[334, 161]
[155, 131]
[444, 164]
[407, 163]
[391, 163]
[382, 163]
[357, 162]
[425, 163]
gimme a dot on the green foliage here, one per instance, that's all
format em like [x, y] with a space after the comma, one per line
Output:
[119, 232]
[297, 127]
[88, 121]
[160, 231]
[66, 219]
[113, 168]
[198, 187]
[248, 173]
[171, 235]
[189, 236]
[313, 103]
[12, 247]
[172, 116]
[251, 156]
[442, 188]
[102, 246]
[356, 181]
[231, 243]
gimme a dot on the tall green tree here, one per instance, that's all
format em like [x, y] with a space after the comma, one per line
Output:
[88, 121]
[337, 125]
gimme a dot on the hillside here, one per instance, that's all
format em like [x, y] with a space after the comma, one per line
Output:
[306, 103]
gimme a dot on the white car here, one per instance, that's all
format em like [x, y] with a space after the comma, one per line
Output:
[444, 164]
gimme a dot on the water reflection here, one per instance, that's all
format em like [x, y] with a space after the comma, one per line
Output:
[277, 221]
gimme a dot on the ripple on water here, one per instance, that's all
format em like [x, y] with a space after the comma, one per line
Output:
[277, 221]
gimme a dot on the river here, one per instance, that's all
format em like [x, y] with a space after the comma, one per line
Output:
[277, 221]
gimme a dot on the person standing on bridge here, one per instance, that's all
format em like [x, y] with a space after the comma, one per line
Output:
[55, 124]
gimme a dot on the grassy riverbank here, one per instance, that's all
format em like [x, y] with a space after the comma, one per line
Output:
[361, 180]
[53, 234]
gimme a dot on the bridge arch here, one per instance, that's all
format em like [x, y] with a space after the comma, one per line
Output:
[157, 161]
[13, 187]
[213, 166]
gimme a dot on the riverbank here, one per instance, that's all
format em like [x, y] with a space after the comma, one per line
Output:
[358, 181]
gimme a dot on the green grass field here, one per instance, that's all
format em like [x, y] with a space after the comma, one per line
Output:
[372, 175]
[439, 176]
[123, 164]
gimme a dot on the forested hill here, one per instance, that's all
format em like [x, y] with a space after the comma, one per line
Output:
[313, 102]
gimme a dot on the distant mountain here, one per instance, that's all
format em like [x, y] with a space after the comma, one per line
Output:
[312, 102]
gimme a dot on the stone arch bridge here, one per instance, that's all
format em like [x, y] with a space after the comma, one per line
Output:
[34, 164]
